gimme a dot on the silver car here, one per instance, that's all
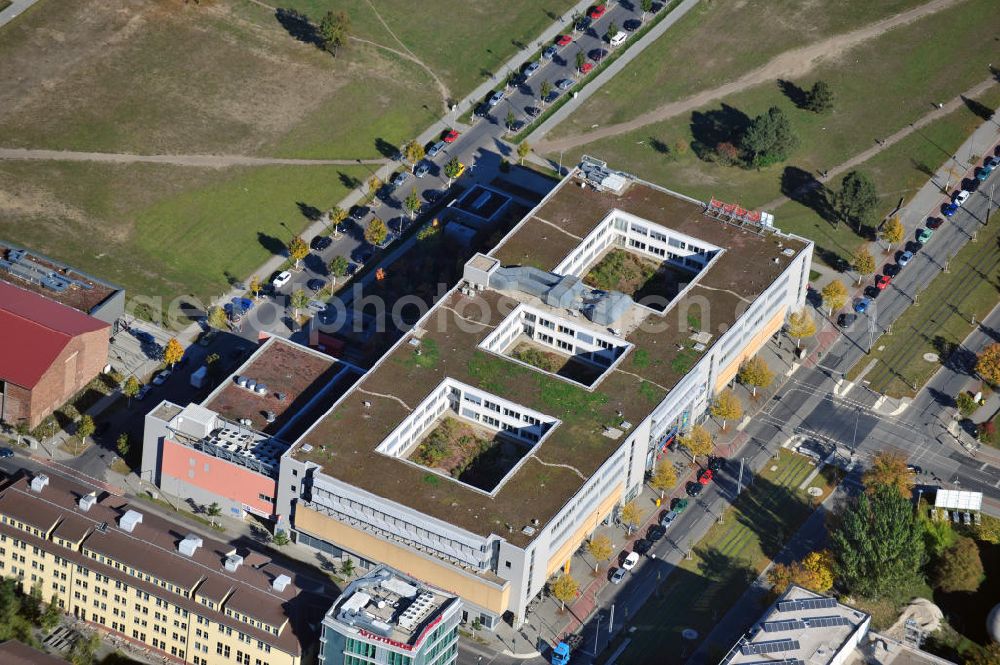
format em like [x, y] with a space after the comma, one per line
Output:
[531, 69]
[435, 149]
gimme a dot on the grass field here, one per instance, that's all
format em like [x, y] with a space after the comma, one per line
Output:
[680, 63]
[725, 562]
[463, 44]
[868, 82]
[163, 231]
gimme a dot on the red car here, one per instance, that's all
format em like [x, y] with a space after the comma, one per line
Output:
[934, 222]
[450, 136]
[586, 68]
[882, 282]
[705, 477]
[596, 12]
[564, 40]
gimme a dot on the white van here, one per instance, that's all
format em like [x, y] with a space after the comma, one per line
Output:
[619, 39]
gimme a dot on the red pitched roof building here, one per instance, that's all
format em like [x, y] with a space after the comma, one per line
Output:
[48, 352]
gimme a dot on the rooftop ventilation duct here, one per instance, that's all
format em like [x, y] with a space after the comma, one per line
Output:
[233, 562]
[261, 389]
[281, 397]
[241, 381]
[129, 520]
[39, 482]
[281, 582]
[189, 545]
[270, 417]
[250, 384]
[87, 502]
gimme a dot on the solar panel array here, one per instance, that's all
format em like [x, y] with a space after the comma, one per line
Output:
[785, 624]
[771, 646]
[823, 622]
[806, 604]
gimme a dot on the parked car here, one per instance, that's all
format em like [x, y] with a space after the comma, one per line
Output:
[716, 463]
[949, 209]
[281, 279]
[450, 136]
[319, 243]
[358, 213]
[550, 52]
[207, 337]
[961, 197]
[6, 452]
[361, 255]
[882, 282]
[618, 575]
[679, 505]
[668, 519]
[530, 70]
[983, 173]
[495, 98]
[162, 377]
[582, 24]
[705, 477]
[460, 171]
[399, 179]
[913, 468]
[655, 532]
[694, 489]
[564, 40]
[596, 12]
[143, 391]
[632, 25]
[435, 149]
[565, 84]
[934, 222]
[316, 305]
[423, 168]
[924, 235]
[862, 305]
[315, 284]
[846, 320]
[586, 68]
[630, 561]
[904, 258]
[618, 39]
[641, 546]
[532, 111]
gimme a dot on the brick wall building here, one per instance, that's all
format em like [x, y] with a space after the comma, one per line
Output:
[49, 352]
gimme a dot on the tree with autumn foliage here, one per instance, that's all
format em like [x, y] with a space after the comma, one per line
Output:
[814, 572]
[988, 364]
[801, 324]
[726, 406]
[698, 442]
[565, 589]
[255, 286]
[664, 477]
[631, 515]
[297, 250]
[892, 232]
[601, 548]
[834, 296]
[377, 231]
[889, 468]
[863, 263]
[173, 352]
[754, 372]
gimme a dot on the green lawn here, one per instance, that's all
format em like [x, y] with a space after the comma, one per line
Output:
[163, 231]
[462, 43]
[724, 562]
[717, 42]
[869, 84]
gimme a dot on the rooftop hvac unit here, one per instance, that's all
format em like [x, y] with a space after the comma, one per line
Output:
[261, 389]
[281, 397]
[128, 521]
[39, 482]
[250, 384]
[246, 422]
[233, 562]
[269, 416]
[190, 543]
[281, 582]
[87, 502]
[241, 381]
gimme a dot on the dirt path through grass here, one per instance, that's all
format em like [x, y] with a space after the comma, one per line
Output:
[790, 64]
[889, 141]
[210, 161]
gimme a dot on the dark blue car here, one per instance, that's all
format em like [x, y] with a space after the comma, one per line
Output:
[949, 209]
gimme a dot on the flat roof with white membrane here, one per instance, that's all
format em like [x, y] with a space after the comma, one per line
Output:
[958, 500]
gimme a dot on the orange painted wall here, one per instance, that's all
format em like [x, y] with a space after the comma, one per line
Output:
[223, 478]
[752, 347]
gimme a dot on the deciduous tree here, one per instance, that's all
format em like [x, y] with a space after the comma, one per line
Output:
[298, 300]
[510, 120]
[565, 589]
[213, 511]
[131, 388]
[892, 232]
[338, 267]
[334, 29]
[601, 549]
[414, 152]
[523, 148]
[726, 406]
[988, 364]
[255, 286]
[646, 6]
[173, 352]
[631, 515]
[814, 572]
[819, 99]
[966, 404]
[878, 544]
[960, 568]
[452, 169]
[336, 215]
[545, 90]
[612, 31]
[85, 427]
[377, 231]
[801, 324]
[889, 469]
[698, 442]
[857, 199]
[412, 203]
[834, 296]
[863, 263]
[664, 477]
[346, 567]
[52, 615]
[217, 318]
[297, 249]
[988, 655]
[122, 445]
[374, 185]
[755, 373]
